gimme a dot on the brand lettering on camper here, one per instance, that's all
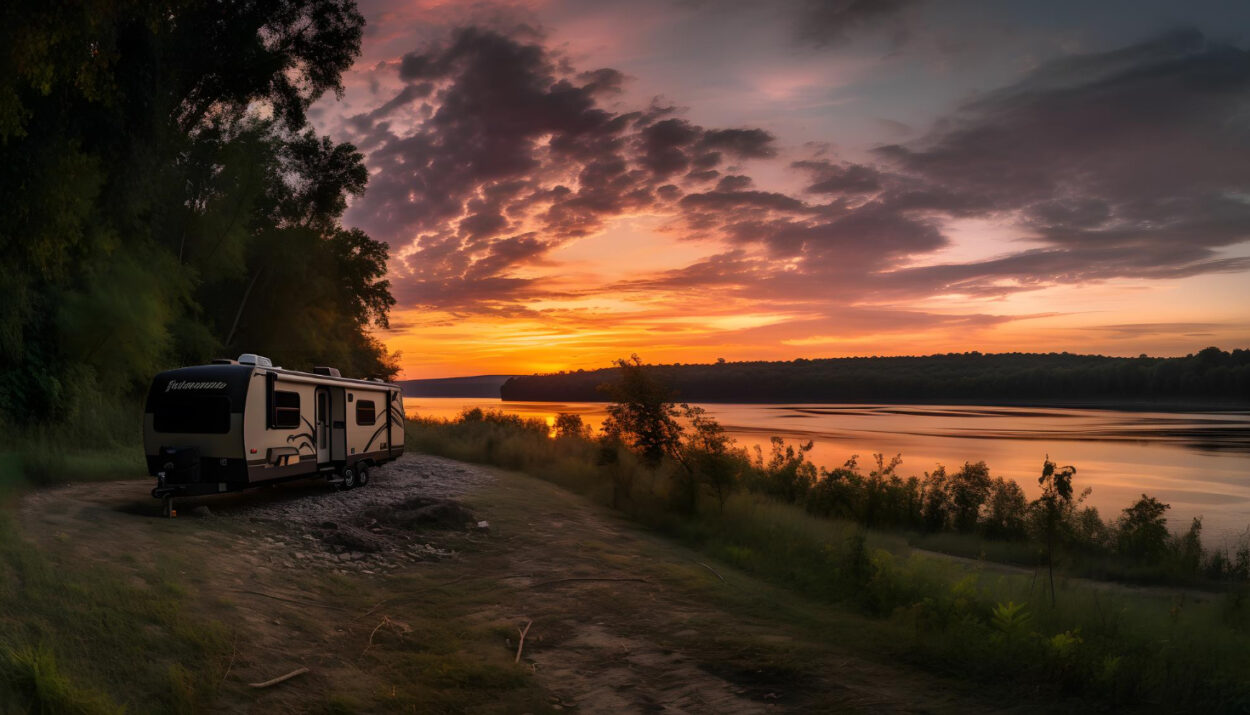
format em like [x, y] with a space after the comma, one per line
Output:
[192, 385]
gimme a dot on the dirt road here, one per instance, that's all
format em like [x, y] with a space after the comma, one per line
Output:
[411, 594]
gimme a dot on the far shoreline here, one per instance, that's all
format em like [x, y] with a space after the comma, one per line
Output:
[1174, 406]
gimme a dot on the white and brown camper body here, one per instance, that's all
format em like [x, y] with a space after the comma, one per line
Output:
[238, 424]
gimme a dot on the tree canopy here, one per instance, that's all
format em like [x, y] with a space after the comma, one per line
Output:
[165, 200]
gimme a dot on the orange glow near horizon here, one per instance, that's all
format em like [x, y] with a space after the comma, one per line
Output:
[597, 324]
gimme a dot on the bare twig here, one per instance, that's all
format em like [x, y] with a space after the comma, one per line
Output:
[521, 643]
[399, 627]
[279, 679]
[233, 652]
[709, 568]
[570, 580]
[385, 620]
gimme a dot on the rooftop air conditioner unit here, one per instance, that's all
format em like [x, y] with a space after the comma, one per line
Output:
[327, 371]
[254, 359]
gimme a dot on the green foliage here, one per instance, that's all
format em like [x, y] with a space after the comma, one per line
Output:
[164, 201]
[1012, 620]
[35, 679]
[787, 475]
[709, 458]
[967, 490]
[642, 415]
[1142, 531]
[1006, 510]
[571, 426]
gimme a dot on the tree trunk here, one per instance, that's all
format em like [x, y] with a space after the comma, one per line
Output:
[239, 313]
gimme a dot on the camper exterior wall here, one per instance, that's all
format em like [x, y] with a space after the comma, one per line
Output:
[259, 438]
[222, 418]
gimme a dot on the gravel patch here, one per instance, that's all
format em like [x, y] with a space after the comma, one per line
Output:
[409, 505]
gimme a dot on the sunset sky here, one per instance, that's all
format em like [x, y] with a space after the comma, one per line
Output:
[564, 183]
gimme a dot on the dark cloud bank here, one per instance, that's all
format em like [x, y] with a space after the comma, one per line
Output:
[1129, 163]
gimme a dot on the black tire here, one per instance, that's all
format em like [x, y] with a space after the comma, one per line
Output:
[349, 479]
[362, 477]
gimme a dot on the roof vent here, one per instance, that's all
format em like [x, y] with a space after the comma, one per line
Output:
[225, 361]
[254, 359]
[327, 371]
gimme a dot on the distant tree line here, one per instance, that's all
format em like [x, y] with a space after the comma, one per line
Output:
[163, 199]
[1209, 376]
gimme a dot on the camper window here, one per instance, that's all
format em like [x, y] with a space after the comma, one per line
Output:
[365, 414]
[192, 414]
[285, 409]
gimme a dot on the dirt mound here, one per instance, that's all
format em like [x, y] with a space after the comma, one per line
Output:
[422, 513]
[352, 538]
[382, 528]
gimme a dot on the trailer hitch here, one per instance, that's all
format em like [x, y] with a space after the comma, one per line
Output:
[166, 494]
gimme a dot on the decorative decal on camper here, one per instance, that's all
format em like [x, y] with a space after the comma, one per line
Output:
[308, 438]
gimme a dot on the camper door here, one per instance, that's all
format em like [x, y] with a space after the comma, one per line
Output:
[323, 425]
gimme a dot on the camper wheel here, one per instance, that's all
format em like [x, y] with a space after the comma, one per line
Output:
[349, 479]
[362, 476]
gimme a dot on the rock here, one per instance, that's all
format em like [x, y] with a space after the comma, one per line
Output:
[202, 510]
[483, 526]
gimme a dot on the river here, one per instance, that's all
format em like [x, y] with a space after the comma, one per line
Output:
[1199, 462]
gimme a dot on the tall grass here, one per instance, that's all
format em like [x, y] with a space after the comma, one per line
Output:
[1125, 647]
[100, 439]
[79, 638]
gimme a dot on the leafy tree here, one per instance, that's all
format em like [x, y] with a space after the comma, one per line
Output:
[570, 426]
[1142, 529]
[878, 489]
[1090, 532]
[1006, 510]
[788, 475]
[834, 493]
[642, 415]
[163, 200]
[968, 489]
[1053, 506]
[936, 509]
[1189, 549]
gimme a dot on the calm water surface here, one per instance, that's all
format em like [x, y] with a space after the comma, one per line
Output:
[1199, 462]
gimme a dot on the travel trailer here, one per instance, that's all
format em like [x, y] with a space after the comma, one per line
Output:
[237, 424]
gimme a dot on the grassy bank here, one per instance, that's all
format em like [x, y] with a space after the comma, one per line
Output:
[77, 636]
[81, 638]
[1125, 647]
